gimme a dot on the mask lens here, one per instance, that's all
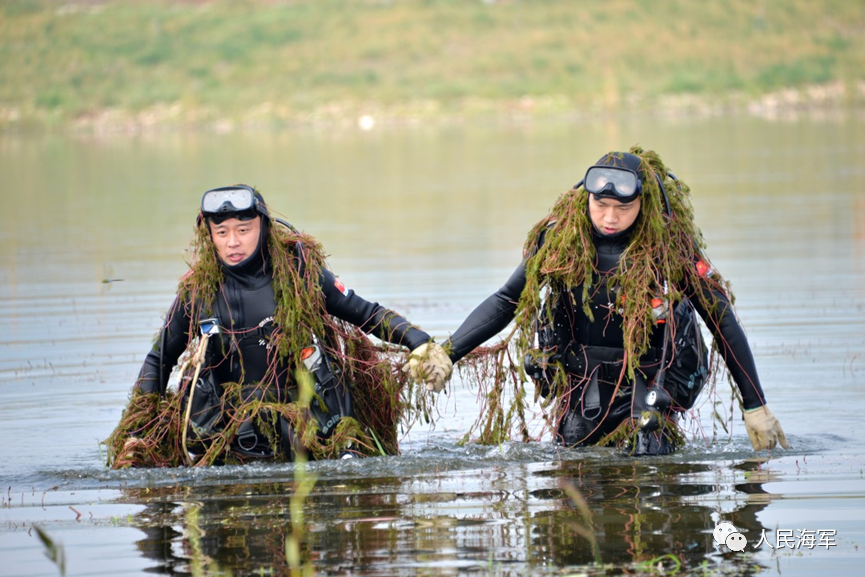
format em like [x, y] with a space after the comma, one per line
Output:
[227, 200]
[611, 180]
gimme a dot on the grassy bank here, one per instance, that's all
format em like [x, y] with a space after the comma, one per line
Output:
[132, 64]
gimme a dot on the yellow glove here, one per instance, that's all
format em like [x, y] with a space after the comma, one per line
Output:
[429, 364]
[764, 430]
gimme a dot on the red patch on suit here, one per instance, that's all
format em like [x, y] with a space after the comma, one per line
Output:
[340, 287]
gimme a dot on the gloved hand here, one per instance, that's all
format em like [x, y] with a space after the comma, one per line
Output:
[429, 364]
[764, 430]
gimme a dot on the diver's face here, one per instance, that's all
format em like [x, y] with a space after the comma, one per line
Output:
[235, 240]
[611, 216]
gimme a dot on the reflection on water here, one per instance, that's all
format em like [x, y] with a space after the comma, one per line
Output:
[429, 222]
[508, 520]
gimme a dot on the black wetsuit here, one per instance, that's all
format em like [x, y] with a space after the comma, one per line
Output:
[245, 308]
[574, 329]
[240, 353]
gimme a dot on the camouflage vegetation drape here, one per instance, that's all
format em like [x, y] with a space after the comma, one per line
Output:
[662, 247]
[384, 398]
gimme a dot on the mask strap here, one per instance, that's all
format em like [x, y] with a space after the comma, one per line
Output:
[664, 193]
[667, 210]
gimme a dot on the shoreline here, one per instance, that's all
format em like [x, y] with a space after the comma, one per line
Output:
[835, 99]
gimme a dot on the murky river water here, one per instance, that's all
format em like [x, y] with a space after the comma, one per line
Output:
[429, 222]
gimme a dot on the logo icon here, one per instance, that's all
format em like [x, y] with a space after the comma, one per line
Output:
[736, 542]
[725, 533]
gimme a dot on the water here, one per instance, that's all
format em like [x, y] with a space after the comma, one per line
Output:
[429, 221]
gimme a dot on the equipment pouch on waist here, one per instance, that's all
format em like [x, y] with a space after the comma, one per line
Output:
[332, 399]
[539, 362]
[689, 368]
[539, 366]
[206, 412]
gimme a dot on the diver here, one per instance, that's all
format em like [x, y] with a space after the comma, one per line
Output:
[604, 301]
[256, 305]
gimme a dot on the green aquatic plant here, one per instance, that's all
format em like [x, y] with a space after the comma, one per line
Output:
[663, 249]
[383, 396]
[200, 564]
[54, 551]
[585, 529]
[560, 264]
[625, 435]
[303, 485]
[656, 566]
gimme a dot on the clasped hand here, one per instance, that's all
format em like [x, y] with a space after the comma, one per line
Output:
[429, 364]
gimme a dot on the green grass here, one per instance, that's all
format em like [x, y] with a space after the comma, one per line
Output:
[64, 61]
